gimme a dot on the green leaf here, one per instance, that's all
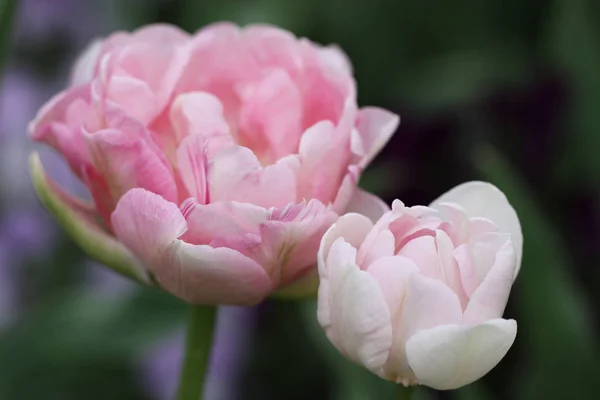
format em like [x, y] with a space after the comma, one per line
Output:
[553, 315]
[79, 220]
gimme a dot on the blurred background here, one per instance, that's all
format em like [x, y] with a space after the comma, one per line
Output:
[502, 90]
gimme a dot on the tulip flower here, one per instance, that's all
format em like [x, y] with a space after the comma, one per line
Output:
[215, 161]
[418, 297]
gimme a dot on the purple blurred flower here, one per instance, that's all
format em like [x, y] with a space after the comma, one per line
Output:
[161, 366]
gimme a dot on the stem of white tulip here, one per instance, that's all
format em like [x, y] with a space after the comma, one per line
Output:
[198, 344]
[403, 392]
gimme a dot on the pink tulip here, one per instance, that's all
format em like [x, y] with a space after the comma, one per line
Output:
[216, 161]
[418, 297]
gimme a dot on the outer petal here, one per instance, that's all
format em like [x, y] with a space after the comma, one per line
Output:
[150, 226]
[59, 122]
[360, 325]
[375, 126]
[450, 356]
[367, 204]
[79, 221]
[482, 199]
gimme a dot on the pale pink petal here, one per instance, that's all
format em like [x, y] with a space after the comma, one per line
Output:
[235, 174]
[448, 265]
[352, 227]
[450, 356]
[393, 275]
[382, 245]
[428, 303]
[375, 127]
[341, 259]
[489, 299]
[360, 320]
[481, 199]
[423, 252]
[271, 116]
[367, 204]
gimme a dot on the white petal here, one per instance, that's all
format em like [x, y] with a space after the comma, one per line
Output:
[482, 199]
[450, 356]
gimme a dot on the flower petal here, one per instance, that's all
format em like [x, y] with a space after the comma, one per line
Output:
[489, 299]
[482, 199]
[450, 356]
[79, 221]
[352, 227]
[150, 226]
[375, 126]
[235, 174]
[367, 204]
[360, 321]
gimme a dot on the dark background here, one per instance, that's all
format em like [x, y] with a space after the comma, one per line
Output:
[501, 90]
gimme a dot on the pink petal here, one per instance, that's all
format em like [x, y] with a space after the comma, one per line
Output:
[270, 116]
[127, 161]
[375, 127]
[150, 225]
[234, 225]
[58, 123]
[324, 157]
[134, 96]
[198, 113]
[85, 65]
[193, 157]
[450, 356]
[235, 174]
[290, 246]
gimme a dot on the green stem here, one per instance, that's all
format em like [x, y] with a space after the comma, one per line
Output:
[197, 352]
[404, 393]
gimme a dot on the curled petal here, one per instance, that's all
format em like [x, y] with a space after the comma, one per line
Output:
[375, 126]
[450, 356]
